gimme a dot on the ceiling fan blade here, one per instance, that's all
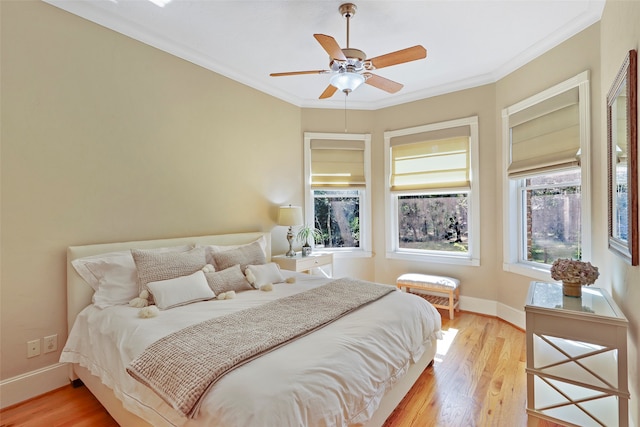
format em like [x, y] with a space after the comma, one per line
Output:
[399, 57]
[296, 73]
[332, 47]
[328, 92]
[383, 83]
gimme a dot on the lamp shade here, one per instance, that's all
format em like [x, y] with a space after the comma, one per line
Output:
[290, 216]
[347, 81]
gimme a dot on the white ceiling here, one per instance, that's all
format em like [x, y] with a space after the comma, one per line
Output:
[469, 43]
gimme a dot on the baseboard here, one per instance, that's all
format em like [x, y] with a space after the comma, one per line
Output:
[511, 315]
[31, 384]
[493, 308]
[479, 305]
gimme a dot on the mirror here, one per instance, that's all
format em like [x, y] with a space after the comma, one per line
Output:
[622, 144]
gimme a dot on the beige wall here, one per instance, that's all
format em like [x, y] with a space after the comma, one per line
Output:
[107, 139]
[620, 32]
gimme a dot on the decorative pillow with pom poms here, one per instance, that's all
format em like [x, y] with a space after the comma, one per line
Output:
[227, 295]
[147, 312]
[230, 279]
[140, 301]
[259, 275]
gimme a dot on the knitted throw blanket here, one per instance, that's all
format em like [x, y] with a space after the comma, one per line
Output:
[184, 365]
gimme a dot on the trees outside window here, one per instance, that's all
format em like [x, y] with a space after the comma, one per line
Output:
[436, 222]
[552, 215]
[337, 216]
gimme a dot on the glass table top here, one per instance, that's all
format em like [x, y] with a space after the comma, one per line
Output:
[549, 295]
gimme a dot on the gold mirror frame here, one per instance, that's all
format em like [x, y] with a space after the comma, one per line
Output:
[622, 169]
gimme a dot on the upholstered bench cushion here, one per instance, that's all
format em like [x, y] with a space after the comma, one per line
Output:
[432, 281]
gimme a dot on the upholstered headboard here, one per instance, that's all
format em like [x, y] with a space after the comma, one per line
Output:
[79, 293]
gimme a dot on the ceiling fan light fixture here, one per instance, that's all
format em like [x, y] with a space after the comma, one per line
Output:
[347, 81]
[349, 67]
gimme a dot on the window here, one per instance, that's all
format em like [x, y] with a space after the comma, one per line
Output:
[432, 193]
[337, 191]
[547, 204]
[552, 216]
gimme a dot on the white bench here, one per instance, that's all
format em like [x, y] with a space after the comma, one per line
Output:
[434, 284]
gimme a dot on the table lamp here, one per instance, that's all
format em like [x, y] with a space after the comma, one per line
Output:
[290, 216]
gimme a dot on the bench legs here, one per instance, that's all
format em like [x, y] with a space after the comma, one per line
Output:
[450, 303]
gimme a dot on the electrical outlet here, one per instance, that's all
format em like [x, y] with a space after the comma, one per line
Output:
[33, 348]
[50, 343]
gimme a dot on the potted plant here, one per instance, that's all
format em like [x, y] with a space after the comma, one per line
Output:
[574, 274]
[305, 235]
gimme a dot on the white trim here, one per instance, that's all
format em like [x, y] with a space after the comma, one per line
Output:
[564, 86]
[433, 257]
[511, 315]
[512, 243]
[365, 199]
[529, 270]
[105, 16]
[479, 305]
[391, 217]
[493, 308]
[34, 383]
[350, 254]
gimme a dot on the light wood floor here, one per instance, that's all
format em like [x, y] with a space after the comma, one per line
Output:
[477, 379]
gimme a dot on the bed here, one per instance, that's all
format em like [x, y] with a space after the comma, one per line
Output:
[362, 376]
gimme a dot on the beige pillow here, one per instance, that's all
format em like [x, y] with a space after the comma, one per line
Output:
[250, 254]
[230, 279]
[155, 266]
[211, 249]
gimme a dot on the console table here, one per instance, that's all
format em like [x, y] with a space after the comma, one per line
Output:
[576, 357]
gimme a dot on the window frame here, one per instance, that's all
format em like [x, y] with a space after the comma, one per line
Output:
[513, 206]
[393, 251]
[364, 192]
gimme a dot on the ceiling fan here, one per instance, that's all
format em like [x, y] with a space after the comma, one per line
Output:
[349, 67]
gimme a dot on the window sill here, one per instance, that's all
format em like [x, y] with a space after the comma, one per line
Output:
[440, 259]
[531, 271]
[346, 253]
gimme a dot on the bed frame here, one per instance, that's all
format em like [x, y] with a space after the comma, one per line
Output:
[79, 295]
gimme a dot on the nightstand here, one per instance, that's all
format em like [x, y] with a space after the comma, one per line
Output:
[310, 263]
[576, 357]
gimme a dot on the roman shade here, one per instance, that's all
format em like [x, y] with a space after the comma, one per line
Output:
[431, 160]
[545, 136]
[336, 163]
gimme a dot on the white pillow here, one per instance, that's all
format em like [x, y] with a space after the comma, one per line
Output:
[112, 265]
[113, 275]
[259, 275]
[181, 290]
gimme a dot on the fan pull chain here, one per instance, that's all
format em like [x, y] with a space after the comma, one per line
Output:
[345, 111]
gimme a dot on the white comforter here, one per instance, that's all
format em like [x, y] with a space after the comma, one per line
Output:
[333, 377]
